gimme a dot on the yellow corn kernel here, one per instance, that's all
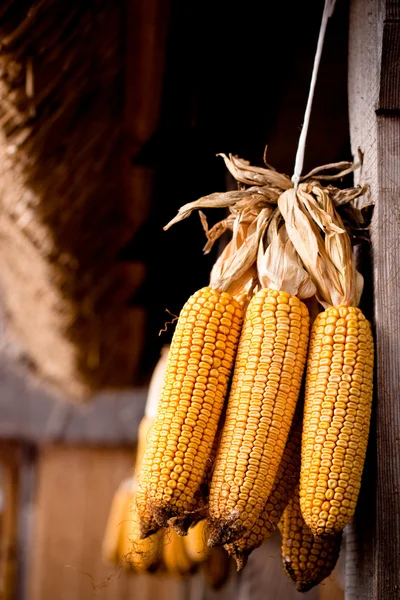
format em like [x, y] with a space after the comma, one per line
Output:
[190, 518]
[337, 415]
[264, 392]
[285, 482]
[306, 560]
[144, 430]
[190, 406]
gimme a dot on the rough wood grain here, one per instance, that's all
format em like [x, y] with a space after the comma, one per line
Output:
[10, 461]
[75, 488]
[374, 539]
[389, 93]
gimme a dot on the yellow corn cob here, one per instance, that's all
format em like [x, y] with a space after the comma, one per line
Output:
[199, 366]
[175, 556]
[116, 516]
[136, 553]
[306, 560]
[336, 418]
[196, 543]
[182, 523]
[262, 401]
[286, 479]
[216, 568]
[143, 433]
[121, 542]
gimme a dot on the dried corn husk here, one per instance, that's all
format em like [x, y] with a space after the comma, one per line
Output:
[319, 237]
[279, 266]
[235, 269]
[271, 181]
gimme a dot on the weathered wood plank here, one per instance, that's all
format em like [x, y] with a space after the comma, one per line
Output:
[75, 488]
[389, 93]
[373, 541]
[10, 461]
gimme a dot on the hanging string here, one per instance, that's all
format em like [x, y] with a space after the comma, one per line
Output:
[298, 166]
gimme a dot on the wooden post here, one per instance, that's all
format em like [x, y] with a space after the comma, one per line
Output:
[373, 541]
[10, 459]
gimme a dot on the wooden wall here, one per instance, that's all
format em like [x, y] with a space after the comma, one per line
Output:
[73, 491]
[73, 495]
[374, 102]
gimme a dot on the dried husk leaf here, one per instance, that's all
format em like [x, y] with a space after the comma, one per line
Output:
[254, 195]
[216, 230]
[279, 266]
[266, 185]
[309, 213]
[313, 229]
[235, 267]
[341, 197]
[344, 168]
[340, 252]
[242, 171]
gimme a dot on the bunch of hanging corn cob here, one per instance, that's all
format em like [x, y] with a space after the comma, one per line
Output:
[255, 294]
[164, 552]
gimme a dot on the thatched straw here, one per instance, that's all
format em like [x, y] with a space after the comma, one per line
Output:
[62, 219]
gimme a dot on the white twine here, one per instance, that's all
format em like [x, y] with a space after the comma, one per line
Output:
[298, 165]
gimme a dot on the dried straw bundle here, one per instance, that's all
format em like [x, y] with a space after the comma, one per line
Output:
[62, 218]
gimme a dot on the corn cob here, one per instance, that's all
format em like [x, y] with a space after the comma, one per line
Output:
[196, 543]
[140, 555]
[285, 482]
[116, 515]
[121, 542]
[336, 418]
[199, 366]
[190, 519]
[261, 405]
[216, 568]
[306, 560]
[175, 557]
[143, 433]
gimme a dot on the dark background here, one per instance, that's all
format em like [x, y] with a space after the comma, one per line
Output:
[236, 79]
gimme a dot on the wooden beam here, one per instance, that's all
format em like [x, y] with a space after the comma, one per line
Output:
[32, 413]
[373, 541]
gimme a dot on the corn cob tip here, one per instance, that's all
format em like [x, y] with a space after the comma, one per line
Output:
[301, 586]
[217, 568]
[222, 531]
[304, 587]
[147, 529]
[240, 558]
